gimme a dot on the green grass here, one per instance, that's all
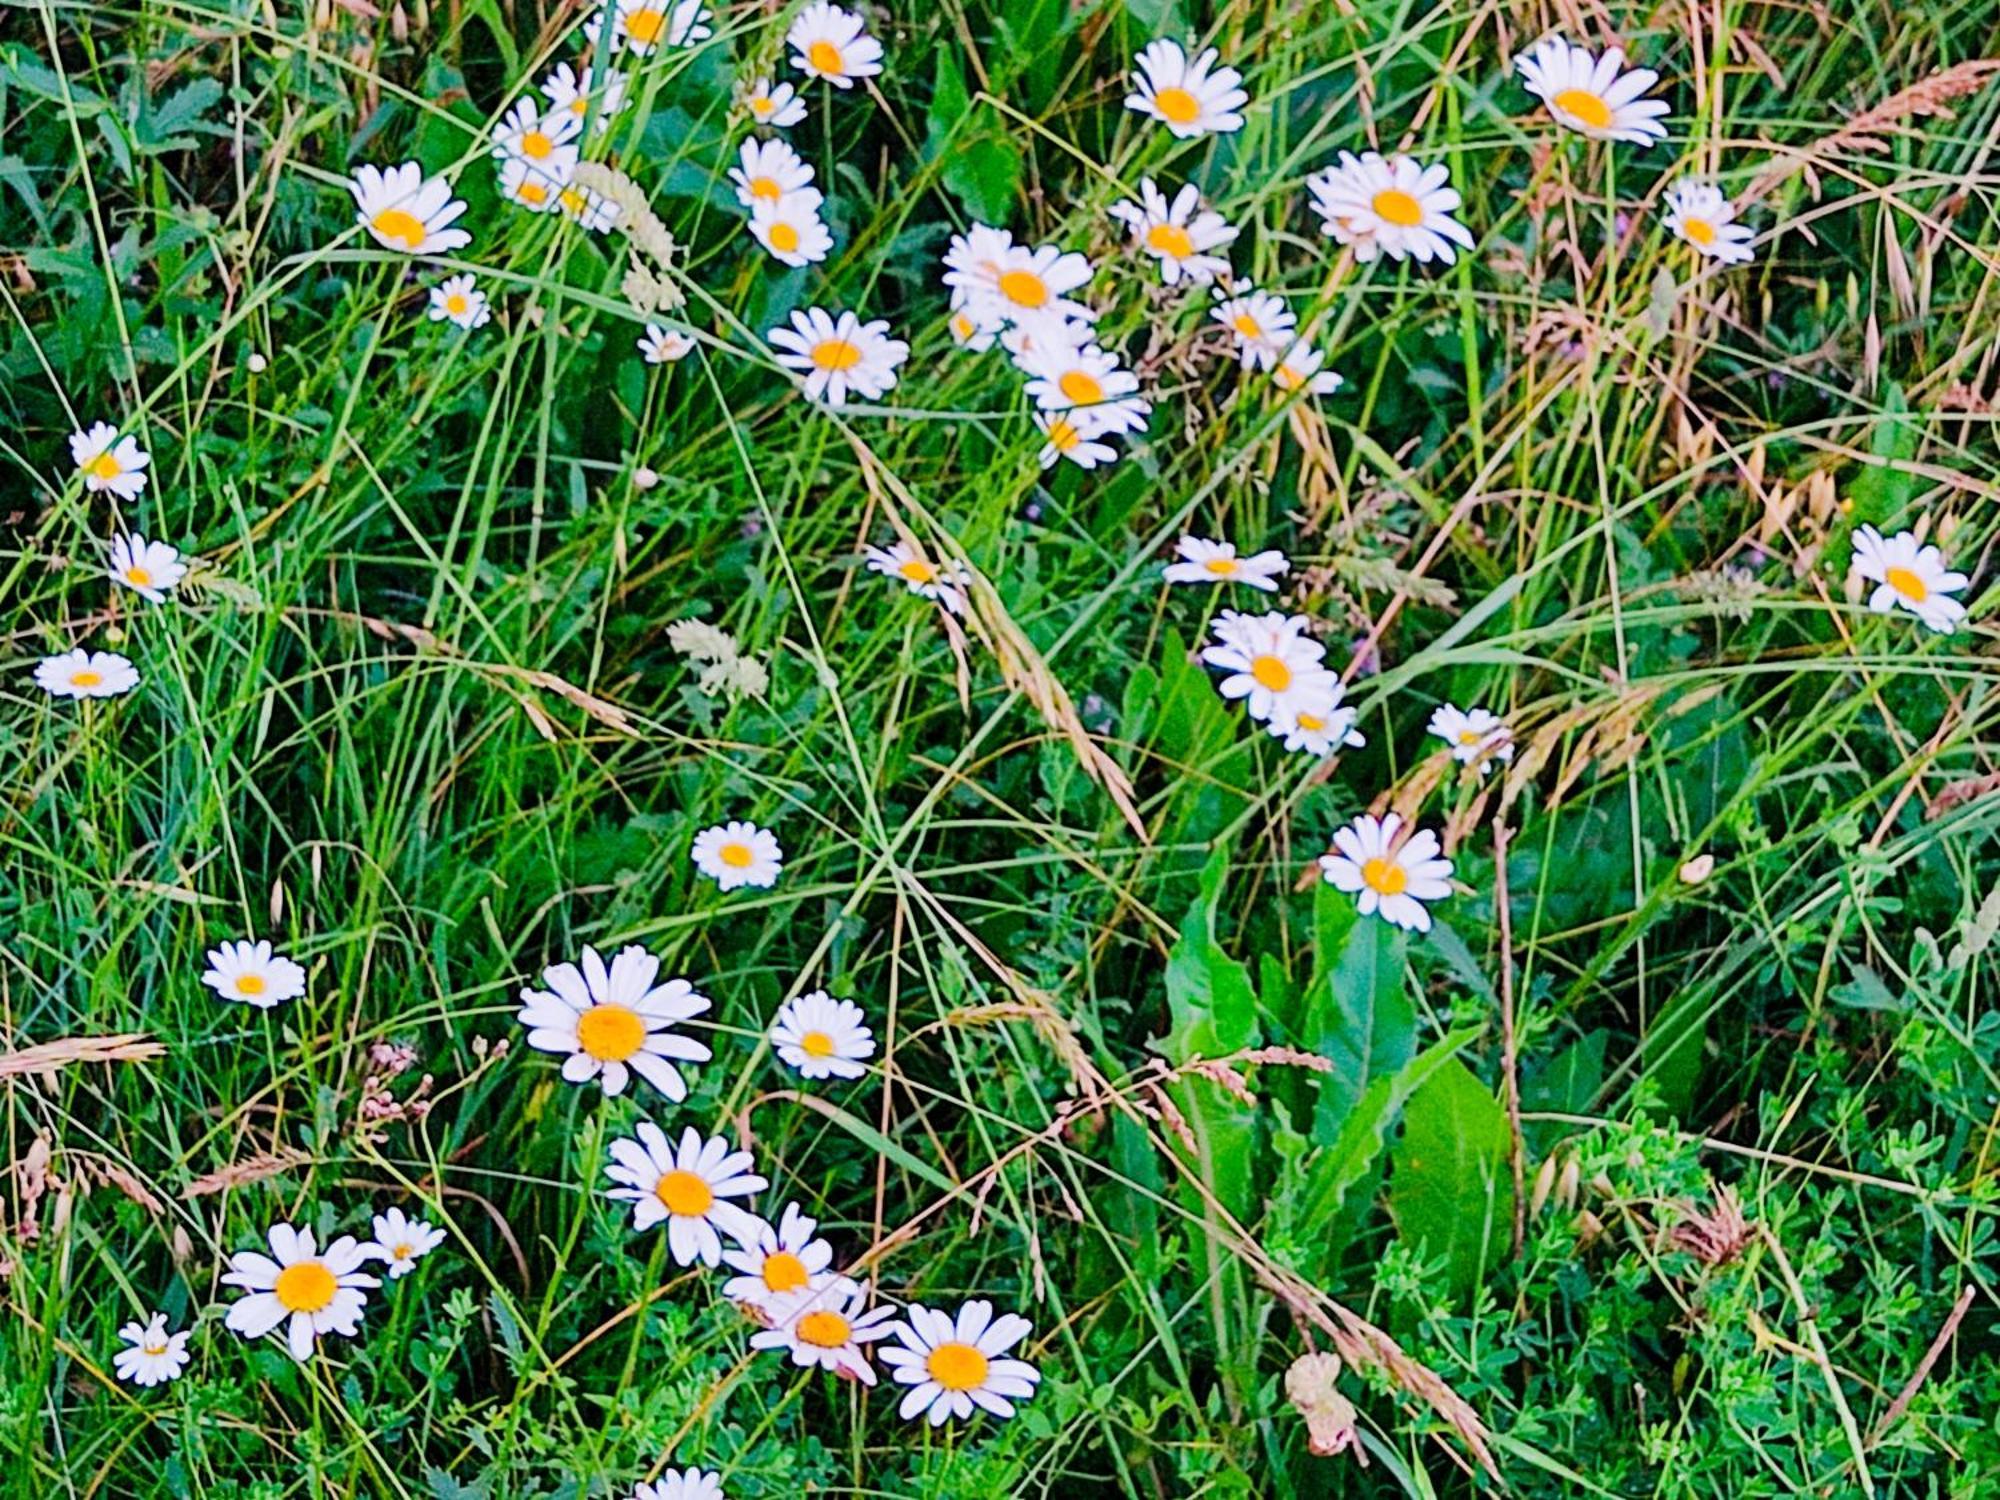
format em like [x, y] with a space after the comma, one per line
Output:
[418, 721]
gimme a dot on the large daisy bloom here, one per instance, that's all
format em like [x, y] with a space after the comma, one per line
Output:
[1392, 206]
[614, 1021]
[152, 1356]
[1697, 212]
[946, 581]
[682, 1484]
[840, 355]
[1477, 736]
[664, 346]
[544, 139]
[766, 171]
[638, 26]
[1180, 234]
[317, 1292]
[738, 854]
[822, 1037]
[1260, 324]
[579, 91]
[400, 1242]
[457, 299]
[791, 229]
[954, 1364]
[1073, 435]
[86, 674]
[1389, 879]
[1317, 722]
[255, 973]
[834, 44]
[1062, 377]
[108, 461]
[1203, 561]
[1018, 283]
[1189, 98]
[687, 1188]
[776, 1259]
[1909, 575]
[1592, 95]
[774, 104]
[824, 1324]
[406, 210]
[149, 569]
[1266, 660]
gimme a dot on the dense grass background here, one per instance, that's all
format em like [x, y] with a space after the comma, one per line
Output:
[420, 721]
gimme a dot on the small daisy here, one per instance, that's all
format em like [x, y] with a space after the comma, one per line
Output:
[641, 25]
[775, 104]
[1697, 212]
[401, 1242]
[1020, 284]
[1593, 95]
[955, 1364]
[459, 300]
[1261, 325]
[1389, 205]
[840, 355]
[1180, 234]
[686, 1188]
[824, 1324]
[1317, 722]
[1266, 659]
[1063, 377]
[586, 206]
[86, 674]
[615, 1021]
[834, 44]
[971, 331]
[1477, 736]
[776, 1260]
[1909, 576]
[767, 171]
[526, 185]
[1189, 98]
[682, 1484]
[1204, 561]
[791, 229]
[1299, 369]
[738, 854]
[544, 139]
[1073, 435]
[823, 1037]
[154, 1356]
[252, 971]
[149, 569]
[1391, 880]
[406, 210]
[945, 582]
[579, 91]
[317, 1292]
[108, 461]
[664, 346]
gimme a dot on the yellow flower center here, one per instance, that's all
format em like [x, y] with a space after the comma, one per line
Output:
[1170, 240]
[1906, 583]
[816, 1044]
[1271, 672]
[1311, 722]
[784, 1271]
[579, 106]
[1583, 105]
[1177, 105]
[402, 1252]
[396, 224]
[139, 578]
[1023, 288]
[1082, 387]
[610, 1033]
[534, 192]
[87, 678]
[1385, 877]
[1063, 435]
[835, 354]
[305, 1287]
[761, 106]
[1288, 379]
[957, 1367]
[826, 58]
[766, 187]
[1468, 736]
[104, 466]
[455, 304]
[961, 327]
[736, 856]
[251, 984]
[916, 570]
[684, 1195]
[1221, 567]
[645, 25]
[784, 237]
[1394, 206]
[574, 201]
[1699, 230]
[1247, 326]
[537, 145]
[156, 1350]
[823, 1329]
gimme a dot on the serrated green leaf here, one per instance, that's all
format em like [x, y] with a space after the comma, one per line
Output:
[1450, 1190]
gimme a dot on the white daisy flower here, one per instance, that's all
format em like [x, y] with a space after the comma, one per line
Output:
[1203, 561]
[1179, 234]
[526, 185]
[458, 299]
[1593, 95]
[767, 171]
[638, 26]
[1392, 206]
[1299, 369]
[685, 1187]
[1062, 378]
[840, 355]
[588, 207]
[1267, 659]
[1189, 98]
[108, 461]
[1317, 722]
[944, 581]
[682, 1484]
[317, 1292]
[824, 1324]
[823, 1037]
[664, 346]
[776, 1259]
[1017, 284]
[774, 104]
[1697, 212]
[834, 44]
[579, 91]
[738, 854]
[1390, 879]
[971, 330]
[154, 1356]
[1073, 435]
[1477, 736]
[407, 211]
[86, 674]
[615, 1021]
[400, 1242]
[1261, 325]
[955, 1364]
[791, 228]
[546, 140]
[972, 260]
[149, 569]
[1909, 576]
[252, 971]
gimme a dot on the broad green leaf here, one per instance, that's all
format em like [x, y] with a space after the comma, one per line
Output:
[979, 164]
[1358, 1013]
[1210, 1001]
[1449, 1190]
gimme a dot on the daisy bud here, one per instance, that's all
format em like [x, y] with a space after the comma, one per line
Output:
[256, 363]
[644, 478]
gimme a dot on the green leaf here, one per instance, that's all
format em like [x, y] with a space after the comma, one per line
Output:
[1883, 488]
[1865, 990]
[1211, 1005]
[980, 165]
[1358, 1013]
[167, 126]
[1450, 1191]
